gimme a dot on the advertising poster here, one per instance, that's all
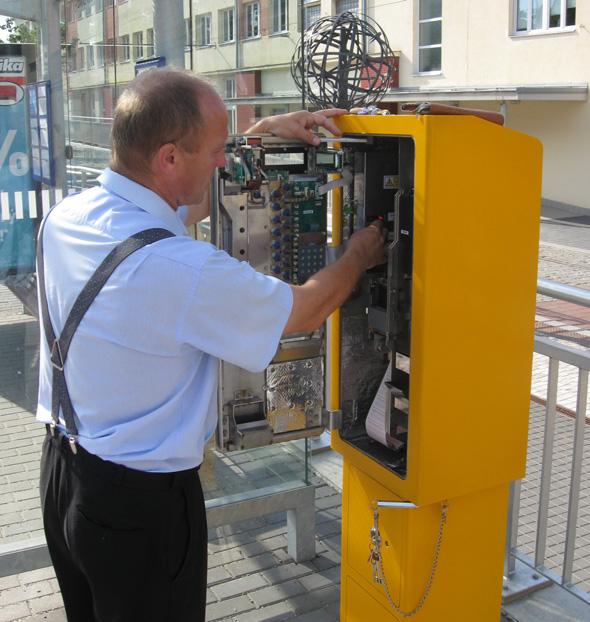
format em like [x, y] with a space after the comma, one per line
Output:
[17, 227]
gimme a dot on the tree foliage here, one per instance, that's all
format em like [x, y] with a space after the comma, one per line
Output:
[19, 33]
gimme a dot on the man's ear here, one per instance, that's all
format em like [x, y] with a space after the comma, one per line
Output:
[165, 158]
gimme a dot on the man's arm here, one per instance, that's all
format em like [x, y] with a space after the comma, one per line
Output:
[326, 290]
[299, 124]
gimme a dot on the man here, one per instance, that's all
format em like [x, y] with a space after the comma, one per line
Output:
[134, 324]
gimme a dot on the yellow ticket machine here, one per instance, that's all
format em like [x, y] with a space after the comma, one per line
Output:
[431, 362]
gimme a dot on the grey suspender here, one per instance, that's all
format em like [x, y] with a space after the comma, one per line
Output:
[59, 346]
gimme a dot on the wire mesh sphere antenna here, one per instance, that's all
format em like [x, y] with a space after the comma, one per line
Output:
[332, 65]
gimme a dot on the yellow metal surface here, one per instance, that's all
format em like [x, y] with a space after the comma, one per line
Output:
[476, 226]
[470, 565]
[333, 325]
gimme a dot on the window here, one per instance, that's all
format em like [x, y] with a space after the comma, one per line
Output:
[110, 52]
[311, 15]
[231, 119]
[252, 20]
[187, 31]
[80, 56]
[149, 38]
[123, 49]
[532, 15]
[280, 22]
[347, 5]
[230, 88]
[204, 29]
[226, 25]
[430, 36]
[90, 57]
[100, 54]
[137, 45]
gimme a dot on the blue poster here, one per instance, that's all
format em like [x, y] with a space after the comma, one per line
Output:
[17, 216]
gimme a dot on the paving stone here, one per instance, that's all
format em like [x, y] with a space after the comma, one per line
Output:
[277, 593]
[24, 593]
[251, 564]
[55, 615]
[319, 615]
[325, 578]
[315, 600]
[217, 575]
[9, 582]
[273, 613]
[13, 611]
[33, 576]
[326, 560]
[224, 557]
[229, 607]
[278, 574]
[236, 587]
[46, 603]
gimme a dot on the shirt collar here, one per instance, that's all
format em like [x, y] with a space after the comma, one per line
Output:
[143, 197]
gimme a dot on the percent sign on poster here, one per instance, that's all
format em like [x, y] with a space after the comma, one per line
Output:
[18, 161]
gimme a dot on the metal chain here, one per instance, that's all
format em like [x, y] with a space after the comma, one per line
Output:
[376, 560]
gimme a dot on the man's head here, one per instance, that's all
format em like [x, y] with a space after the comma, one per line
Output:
[169, 131]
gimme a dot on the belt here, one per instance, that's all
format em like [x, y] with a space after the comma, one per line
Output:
[118, 473]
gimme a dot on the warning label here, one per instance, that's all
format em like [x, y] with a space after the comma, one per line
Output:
[390, 182]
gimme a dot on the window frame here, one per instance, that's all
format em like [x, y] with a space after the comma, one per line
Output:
[230, 88]
[123, 49]
[187, 32]
[227, 18]
[81, 58]
[90, 57]
[355, 10]
[419, 47]
[110, 53]
[100, 54]
[204, 22]
[546, 13]
[138, 50]
[249, 23]
[149, 42]
[280, 14]
[307, 7]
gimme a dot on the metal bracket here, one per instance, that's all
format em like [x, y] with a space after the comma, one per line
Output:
[332, 419]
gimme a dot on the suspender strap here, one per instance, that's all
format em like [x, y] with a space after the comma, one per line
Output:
[59, 346]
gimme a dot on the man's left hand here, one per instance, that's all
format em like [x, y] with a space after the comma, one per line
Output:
[299, 124]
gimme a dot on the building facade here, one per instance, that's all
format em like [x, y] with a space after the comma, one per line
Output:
[527, 58]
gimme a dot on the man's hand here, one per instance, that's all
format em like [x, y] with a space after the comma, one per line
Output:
[299, 124]
[327, 289]
[369, 244]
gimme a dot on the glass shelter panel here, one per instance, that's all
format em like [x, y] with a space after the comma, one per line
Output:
[126, 34]
[26, 173]
[103, 45]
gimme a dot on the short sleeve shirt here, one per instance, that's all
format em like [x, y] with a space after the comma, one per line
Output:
[142, 369]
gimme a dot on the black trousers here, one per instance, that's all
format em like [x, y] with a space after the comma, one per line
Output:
[127, 546]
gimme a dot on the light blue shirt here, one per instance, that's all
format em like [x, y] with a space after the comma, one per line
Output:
[142, 368]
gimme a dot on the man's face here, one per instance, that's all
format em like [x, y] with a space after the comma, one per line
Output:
[197, 168]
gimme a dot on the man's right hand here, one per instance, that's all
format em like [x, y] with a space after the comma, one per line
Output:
[370, 243]
[326, 290]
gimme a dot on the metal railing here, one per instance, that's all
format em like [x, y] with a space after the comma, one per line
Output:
[81, 177]
[523, 574]
[90, 130]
